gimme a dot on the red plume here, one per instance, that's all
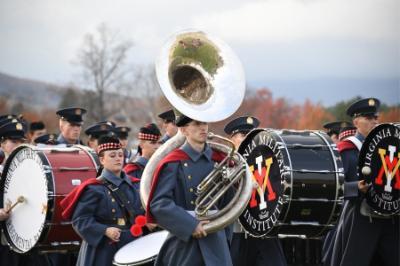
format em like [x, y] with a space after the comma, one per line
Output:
[136, 230]
[140, 220]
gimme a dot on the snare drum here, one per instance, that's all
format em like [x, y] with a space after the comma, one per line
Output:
[140, 251]
[43, 176]
[299, 177]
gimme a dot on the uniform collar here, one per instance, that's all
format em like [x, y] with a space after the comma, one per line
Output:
[62, 140]
[141, 160]
[112, 178]
[165, 138]
[195, 155]
[360, 137]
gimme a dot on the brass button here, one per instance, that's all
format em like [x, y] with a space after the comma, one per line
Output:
[113, 210]
[192, 202]
[191, 189]
[112, 200]
[189, 177]
[109, 193]
[185, 164]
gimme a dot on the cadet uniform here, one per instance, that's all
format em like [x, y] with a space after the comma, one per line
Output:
[361, 235]
[99, 207]
[122, 134]
[149, 132]
[333, 129]
[245, 249]
[171, 205]
[94, 132]
[167, 117]
[46, 139]
[72, 115]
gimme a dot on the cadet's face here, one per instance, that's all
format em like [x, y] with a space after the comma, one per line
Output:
[238, 138]
[365, 124]
[149, 147]
[9, 145]
[124, 142]
[334, 138]
[93, 143]
[170, 128]
[70, 131]
[196, 131]
[38, 133]
[112, 160]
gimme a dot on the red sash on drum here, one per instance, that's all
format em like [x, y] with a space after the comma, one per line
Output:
[174, 156]
[69, 202]
[346, 145]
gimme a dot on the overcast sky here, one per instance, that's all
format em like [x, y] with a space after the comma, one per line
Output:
[352, 46]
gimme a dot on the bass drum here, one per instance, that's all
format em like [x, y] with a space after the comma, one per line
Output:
[299, 183]
[43, 177]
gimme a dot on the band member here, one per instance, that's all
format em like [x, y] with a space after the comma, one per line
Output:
[104, 208]
[169, 127]
[36, 129]
[70, 124]
[172, 201]
[346, 132]
[12, 134]
[361, 235]
[47, 139]
[94, 132]
[148, 136]
[333, 129]
[122, 134]
[245, 249]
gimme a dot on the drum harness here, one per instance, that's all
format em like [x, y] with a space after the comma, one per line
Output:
[122, 200]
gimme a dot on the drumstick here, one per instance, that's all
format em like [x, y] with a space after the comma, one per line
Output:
[20, 199]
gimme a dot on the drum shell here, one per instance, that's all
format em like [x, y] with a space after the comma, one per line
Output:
[312, 182]
[65, 168]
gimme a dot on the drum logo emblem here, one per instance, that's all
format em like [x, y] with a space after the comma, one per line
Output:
[379, 163]
[261, 178]
[390, 166]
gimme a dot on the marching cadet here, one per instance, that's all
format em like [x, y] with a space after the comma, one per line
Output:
[94, 132]
[172, 201]
[70, 124]
[361, 235]
[36, 129]
[148, 136]
[333, 129]
[47, 139]
[104, 208]
[168, 125]
[245, 249]
[122, 133]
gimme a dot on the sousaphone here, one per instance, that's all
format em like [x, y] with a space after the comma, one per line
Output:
[204, 80]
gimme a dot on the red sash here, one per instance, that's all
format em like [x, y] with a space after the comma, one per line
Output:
[69, 202]
[174, 156]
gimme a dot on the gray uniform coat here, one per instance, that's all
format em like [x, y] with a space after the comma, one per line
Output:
[97, 210]
[173, 197]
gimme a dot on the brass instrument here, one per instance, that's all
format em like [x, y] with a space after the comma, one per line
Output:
[204, 80]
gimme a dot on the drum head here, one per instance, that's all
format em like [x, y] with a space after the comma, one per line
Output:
[265, 160]
[24, 175]
[149, 247]
[379, 162]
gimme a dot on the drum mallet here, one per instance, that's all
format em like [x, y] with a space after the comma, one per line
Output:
[20, 199]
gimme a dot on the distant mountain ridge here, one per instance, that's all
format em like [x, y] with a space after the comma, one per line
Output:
[32, 93]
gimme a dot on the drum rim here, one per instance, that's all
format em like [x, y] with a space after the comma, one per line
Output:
[50, 202]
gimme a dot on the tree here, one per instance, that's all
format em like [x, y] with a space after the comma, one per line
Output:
[102, 58]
